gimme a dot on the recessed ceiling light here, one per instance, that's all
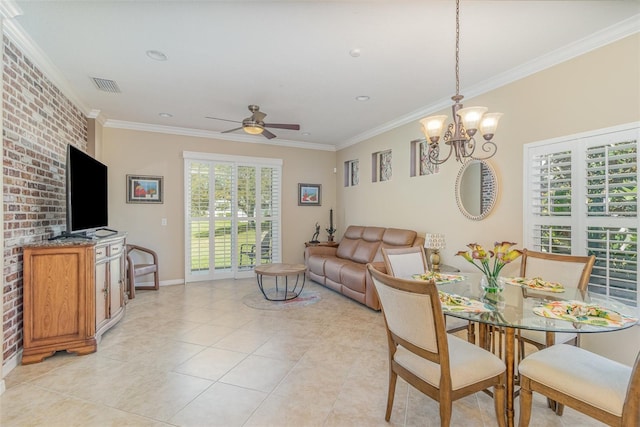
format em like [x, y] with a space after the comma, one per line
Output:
[355, 52]
[165, 115]
[156, 55]
[362, 98]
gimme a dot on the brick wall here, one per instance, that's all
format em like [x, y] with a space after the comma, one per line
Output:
[39, 122]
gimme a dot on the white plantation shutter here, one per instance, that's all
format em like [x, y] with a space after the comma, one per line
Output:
[198, 187]
[581, 197]
[612, 185]
[233, 209]
[551, 184]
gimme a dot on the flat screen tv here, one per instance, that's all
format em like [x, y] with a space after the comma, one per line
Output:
[87, 208]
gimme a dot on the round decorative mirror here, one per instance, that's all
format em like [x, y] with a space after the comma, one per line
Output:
[476, 189]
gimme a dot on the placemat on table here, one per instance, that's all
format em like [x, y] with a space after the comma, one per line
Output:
[440, 278]
[453, 302]
[536, 283]
[576, 311]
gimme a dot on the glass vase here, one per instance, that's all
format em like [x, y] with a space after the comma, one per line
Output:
[490, 284]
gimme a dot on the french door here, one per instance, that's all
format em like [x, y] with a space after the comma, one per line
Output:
[232, 215]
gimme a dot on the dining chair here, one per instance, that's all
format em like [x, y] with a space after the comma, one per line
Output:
[587, 382]
[440, 365]
[404, 262]
[571, 271]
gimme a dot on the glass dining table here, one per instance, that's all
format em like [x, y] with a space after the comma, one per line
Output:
[520, 307]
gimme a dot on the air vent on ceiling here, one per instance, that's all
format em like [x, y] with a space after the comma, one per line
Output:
[106, 85]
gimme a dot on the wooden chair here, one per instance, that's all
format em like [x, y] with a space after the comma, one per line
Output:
[404, 262]
[440, 365]
[568, 270]
[137, 269]
[589, 383]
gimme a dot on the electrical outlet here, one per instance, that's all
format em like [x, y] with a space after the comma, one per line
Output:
[164, 221]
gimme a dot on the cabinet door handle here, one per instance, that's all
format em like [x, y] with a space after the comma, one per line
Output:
[105, 291]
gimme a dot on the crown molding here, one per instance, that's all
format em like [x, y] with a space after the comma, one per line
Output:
[9, 9]
[198, 133]
[594, 41]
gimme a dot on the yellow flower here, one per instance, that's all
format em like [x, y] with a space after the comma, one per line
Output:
[502, 254]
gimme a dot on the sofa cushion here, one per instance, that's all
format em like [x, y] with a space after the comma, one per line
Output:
[365, 251]
[353, 276]
[398, 237]
[353, 232]
[347, 247]
[373, 234]
[332, 267]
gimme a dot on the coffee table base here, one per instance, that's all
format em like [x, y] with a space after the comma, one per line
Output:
[281, 271]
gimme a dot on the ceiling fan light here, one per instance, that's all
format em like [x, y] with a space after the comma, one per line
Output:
[432, 127]
[255, 129]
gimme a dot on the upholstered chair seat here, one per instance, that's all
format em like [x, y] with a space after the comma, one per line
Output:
[599, 387]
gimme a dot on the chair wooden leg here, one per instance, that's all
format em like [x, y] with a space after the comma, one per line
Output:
[525, 402]
[393, 377]
[156, 280]
[499, 403]
[471, 333]
[559, 409]
[132, 288]
[446, 407]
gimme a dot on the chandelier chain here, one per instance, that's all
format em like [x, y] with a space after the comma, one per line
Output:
[457, 47]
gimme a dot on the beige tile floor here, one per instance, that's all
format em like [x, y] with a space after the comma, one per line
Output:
[196, 355]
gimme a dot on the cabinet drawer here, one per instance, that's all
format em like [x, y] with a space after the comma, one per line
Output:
[101, 252]
[116, 249]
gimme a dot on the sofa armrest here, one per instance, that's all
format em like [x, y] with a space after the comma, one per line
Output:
[320, 250]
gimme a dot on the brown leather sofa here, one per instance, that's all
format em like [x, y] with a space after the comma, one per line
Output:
[343, 268]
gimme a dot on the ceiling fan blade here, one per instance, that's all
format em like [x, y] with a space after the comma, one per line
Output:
[225, 120]
[259, 116]
[268, 134]
[231, 130]
[282, 126]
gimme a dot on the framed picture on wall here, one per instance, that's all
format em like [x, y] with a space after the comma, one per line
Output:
[309, 194]
[144, 189]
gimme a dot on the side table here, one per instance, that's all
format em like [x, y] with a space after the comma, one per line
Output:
[448, 269]
[330, 244]
[281, 270]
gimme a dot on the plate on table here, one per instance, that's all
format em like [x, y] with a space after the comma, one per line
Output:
[536, 283]
[453, 302]
[440, 278]
[580, 312]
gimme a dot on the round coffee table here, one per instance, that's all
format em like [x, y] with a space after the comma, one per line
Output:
[278, 271]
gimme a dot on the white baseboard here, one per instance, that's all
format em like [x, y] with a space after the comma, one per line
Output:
[162, 283]
[9, 365]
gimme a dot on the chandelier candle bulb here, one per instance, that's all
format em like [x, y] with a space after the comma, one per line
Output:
[489, 125]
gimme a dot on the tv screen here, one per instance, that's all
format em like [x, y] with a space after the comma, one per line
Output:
[86, 192]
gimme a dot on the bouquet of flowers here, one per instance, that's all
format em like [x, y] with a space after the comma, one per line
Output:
[502, 255]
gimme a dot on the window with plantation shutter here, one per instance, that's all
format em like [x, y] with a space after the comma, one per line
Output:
[581, 197]
[232, 211]
[551, 179]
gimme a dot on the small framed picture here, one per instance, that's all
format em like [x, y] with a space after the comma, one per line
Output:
[309, 194]
[144, 189]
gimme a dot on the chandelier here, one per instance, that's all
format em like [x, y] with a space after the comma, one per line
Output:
[460, 134]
